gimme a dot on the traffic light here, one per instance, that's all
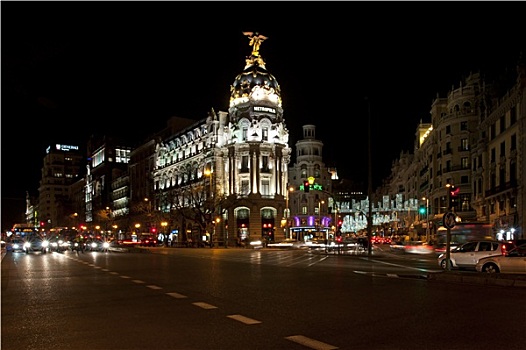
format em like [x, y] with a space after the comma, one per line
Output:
[422, 210]
[306, 186]
[453, 197]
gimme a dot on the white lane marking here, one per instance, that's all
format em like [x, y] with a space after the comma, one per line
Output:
[114, 273]
[177, 295]
[397, 265]
[122, 276]
[138, 281]
[318, 261]
[105, 270]
[311, 343]
[205, 305]
[244, 319]
[154, 287]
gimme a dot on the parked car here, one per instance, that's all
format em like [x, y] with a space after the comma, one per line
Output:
[514, 261]
[289, 243]
[468, 254]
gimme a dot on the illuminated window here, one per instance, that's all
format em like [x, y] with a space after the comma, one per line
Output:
[265, 187]
[98, 158]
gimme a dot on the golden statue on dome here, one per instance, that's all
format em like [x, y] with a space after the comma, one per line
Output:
[255, 41]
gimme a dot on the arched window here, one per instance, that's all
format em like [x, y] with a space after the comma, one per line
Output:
[304, 171]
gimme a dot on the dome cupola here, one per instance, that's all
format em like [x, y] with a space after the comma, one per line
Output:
[255, 83]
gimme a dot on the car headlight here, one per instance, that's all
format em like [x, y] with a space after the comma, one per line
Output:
[45, 244]
[27, 244]
[255, 243]
[106, 245]
[16, 246]
[93, 245]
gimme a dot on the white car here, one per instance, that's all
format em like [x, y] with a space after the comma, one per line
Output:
[513, 261]
[468, 254]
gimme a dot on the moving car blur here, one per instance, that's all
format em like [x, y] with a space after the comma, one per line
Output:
[15, 245]
[412, 247]
[289, 243]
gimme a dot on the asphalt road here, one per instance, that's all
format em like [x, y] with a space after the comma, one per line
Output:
[244, 299]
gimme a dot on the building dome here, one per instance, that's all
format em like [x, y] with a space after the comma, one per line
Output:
[255, 82]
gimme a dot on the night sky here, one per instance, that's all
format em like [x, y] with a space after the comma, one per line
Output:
[72, 69]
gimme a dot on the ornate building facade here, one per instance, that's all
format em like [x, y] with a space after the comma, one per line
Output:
[225, 177]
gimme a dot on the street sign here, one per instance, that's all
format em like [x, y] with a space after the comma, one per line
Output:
[449, 219]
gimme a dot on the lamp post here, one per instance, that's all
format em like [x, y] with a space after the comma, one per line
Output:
[137, 227]
[210, 174]
[319, 220]
[287, 215]
[427, 218]
[448, 232]
[115, 234]
[369, 180]
[165, 237]
[148, 207]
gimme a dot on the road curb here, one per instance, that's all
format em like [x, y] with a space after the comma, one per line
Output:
[502, 280]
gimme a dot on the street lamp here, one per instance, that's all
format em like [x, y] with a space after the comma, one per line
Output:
[427, 218]
[215, 223]
[319, 220]
[287, 215]
[163, 225]
[137, 227]
[210, 174]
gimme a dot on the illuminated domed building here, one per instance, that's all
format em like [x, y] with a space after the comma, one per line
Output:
[224, 178]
